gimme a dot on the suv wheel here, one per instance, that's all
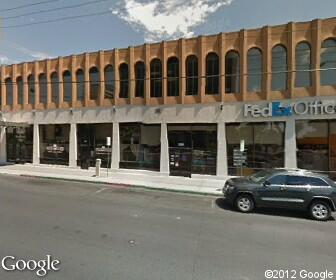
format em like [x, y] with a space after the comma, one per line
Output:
[320, 210]
[245, 203]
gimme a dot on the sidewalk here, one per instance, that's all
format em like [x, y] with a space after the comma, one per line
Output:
[132, 178]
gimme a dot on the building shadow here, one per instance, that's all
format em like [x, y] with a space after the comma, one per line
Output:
[224, 205]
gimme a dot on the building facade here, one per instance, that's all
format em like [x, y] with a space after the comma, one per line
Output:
[181, 108]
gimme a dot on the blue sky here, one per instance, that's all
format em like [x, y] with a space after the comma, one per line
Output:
[133, 22]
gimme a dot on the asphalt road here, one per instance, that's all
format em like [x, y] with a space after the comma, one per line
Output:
[117, 233]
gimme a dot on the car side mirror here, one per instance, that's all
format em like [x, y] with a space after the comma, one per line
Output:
[267, 183]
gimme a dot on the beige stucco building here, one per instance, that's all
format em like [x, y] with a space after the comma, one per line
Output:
[182, 107]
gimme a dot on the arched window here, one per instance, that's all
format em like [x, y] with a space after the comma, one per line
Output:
[303, 65]
[123, 77]
[43, 88]
[19, 88]
[94, 83]
[173, 85]
[67, 86]
[9, 91]
[254, 70]
[232, 72]
[109, 82]
[156, 78]
[80, 85]
[31, 89]
[140, 75]
[212, 74]
[279, 68]
[54, 87]
[328, 61]
[192, 75]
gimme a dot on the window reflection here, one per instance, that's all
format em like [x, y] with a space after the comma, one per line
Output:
[192, 75]
[9, 91]
[31, 89]
[232, 72]
[54, 87]
[264, 145]
[19, 85]
[303, 65]
[279, 68]
[80, 85]
[43, 88]
[173, 87]
[212, 74]
[156, 78]
[140, 75]
[94, 83]
[254, 70]
[328, 61]
[109, 82]
[123, 77]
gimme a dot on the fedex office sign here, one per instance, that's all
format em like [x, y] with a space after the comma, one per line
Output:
[278, 109]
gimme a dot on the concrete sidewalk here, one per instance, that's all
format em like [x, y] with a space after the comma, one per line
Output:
[132, 178]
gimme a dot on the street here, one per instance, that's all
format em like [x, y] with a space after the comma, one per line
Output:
[121, 233]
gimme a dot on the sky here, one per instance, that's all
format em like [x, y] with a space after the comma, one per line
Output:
[31, 30]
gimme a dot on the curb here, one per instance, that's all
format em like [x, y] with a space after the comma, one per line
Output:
[118, 184]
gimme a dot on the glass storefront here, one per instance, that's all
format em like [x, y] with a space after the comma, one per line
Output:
[19, 142]
[192, 149]
[92, 144]
[140, 146]
[316, 145]
[264, 146]
[54, 144]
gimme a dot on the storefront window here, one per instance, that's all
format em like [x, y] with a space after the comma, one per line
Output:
[316, 146]
[264, 146]
[19, 142]
[92, 144]
[54, 144]
[192, 149]
[140, 146]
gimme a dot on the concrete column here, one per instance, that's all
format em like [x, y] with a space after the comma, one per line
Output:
[182, 70]
[222, 168]
[147, 69]
[164, 59]
[116, 76]
[73, 146]
[243, 63]
[291, 59]
[267, 62]
[115, 146]
[3, 150]
[102, 79]
[222, 65]
[131, 87]
[36, 145]
[290, 145]
[164, 152]
[201, 67]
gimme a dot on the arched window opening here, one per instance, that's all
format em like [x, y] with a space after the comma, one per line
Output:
[67, 86]
[9, 91]
[303, 65]
[279, 68]
[232, 72]
[140, 76]
[254, 70]
[328, 62]
[156, 78]
[173, 85]
[54, 87]
[19, 88]
[43, 89]
[31, 89]
[212, 74]
[192, 75]
[80, 85]
[94, 83]
[109, 82]
[123, 77]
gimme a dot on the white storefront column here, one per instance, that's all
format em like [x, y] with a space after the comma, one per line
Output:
[290, 144]
[3, 149]
[73, 146]
[36, 145]
[164, 151]
[222, 167]
[115, 146]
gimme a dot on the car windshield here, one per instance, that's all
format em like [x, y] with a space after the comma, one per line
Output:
[259, 176]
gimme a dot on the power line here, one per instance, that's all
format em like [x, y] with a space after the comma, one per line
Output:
[55, 9]
[56, 20]
[28, 5]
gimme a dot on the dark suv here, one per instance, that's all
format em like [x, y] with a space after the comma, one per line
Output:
[283, 188]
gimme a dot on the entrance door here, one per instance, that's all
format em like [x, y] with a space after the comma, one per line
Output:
[180, 153]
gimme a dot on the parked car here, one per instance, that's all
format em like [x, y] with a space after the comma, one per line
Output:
[284, 188]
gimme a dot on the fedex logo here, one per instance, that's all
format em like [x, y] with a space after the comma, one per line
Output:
[273, 109]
